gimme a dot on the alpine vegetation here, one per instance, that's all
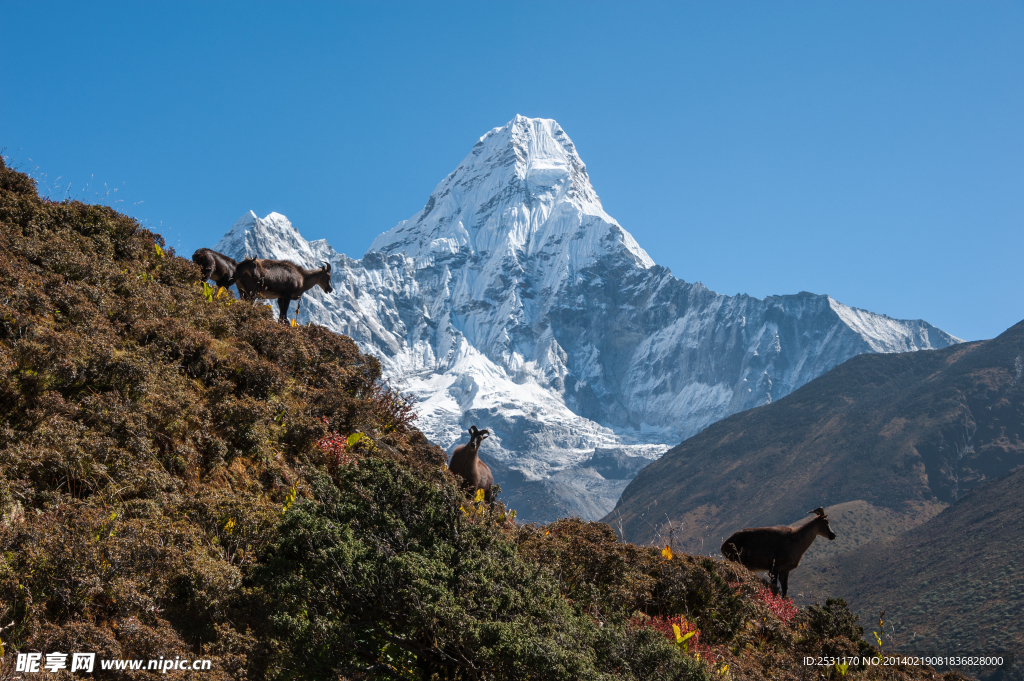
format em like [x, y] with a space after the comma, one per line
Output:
[513, 298]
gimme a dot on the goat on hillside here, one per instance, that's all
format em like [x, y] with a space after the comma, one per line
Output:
[279, 279]
[466, 462]
[216, 266]
[776, 549]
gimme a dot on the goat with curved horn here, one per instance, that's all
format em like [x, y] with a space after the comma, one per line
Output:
[216, 266]
[467, 464]
[279, 279]
[776, 549]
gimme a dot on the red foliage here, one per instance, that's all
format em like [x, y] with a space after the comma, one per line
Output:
[664, 626]
[334, 445]
[394, 409]
[782, 608]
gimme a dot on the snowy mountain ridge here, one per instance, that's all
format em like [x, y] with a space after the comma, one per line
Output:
[514, 302]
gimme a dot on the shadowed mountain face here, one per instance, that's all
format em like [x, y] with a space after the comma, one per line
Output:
[893, 438]
[953, 585]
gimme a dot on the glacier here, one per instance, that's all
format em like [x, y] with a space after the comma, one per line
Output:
[513, 302]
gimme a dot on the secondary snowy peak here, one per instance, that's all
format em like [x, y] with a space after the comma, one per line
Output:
[272, 237]
[885, 334]
[522, 191]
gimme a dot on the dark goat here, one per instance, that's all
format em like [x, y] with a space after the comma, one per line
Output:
[776, 549]
[467, 463]
[216, 266]
[279, 279]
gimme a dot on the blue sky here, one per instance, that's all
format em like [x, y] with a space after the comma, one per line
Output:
[873, 151]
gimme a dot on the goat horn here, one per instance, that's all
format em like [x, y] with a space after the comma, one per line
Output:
[327, 266]
[818, 511]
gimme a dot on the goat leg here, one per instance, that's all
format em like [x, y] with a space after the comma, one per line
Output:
[283, 304]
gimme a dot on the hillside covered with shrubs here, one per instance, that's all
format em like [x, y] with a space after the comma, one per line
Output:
[181, 476]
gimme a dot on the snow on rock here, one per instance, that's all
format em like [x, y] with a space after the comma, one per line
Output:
[513, 302]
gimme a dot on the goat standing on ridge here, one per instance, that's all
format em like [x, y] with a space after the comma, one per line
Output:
[776, 549]
[279, 279]
[466, 462]
[216, 266]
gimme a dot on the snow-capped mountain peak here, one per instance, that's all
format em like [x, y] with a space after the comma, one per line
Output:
[522, 190]
[272, 237]
[513, 302]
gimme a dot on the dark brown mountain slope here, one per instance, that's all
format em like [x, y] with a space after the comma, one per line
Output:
[894, 438]
[953, 585]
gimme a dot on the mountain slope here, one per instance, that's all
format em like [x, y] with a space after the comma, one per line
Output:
[166, 496]
[514, 302]
[149, 439]
[892, 439]
[953, 584]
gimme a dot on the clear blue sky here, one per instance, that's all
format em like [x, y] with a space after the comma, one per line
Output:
[871, 151]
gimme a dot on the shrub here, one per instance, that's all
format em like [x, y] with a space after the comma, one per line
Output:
[832, 628]
[677, 630]
[592, 567]
[782, 608]
[382, 574]
[699, 588]
[832, 620]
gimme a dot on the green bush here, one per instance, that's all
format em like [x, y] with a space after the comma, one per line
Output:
[382, 573]
[832, 629]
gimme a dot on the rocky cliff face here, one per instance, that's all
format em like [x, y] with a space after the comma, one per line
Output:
[514, 302]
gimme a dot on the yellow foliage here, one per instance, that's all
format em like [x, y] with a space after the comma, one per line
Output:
[667, 552]
[682, 639]
[290, 499]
